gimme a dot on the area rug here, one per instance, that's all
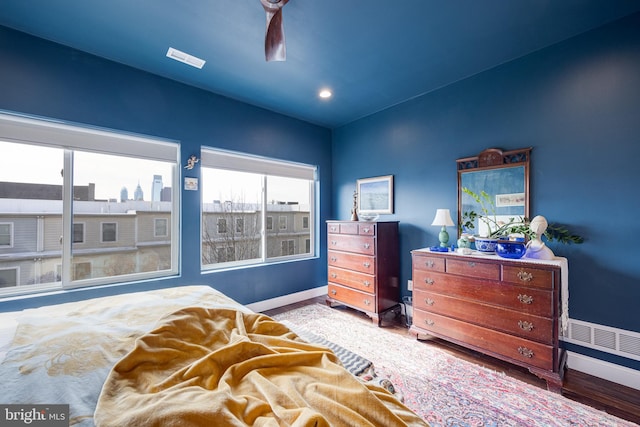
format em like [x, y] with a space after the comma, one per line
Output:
[442, 389]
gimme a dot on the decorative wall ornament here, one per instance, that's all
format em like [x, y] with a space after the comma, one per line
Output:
[191, 161]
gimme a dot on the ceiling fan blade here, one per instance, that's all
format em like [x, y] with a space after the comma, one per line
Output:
[274, 42]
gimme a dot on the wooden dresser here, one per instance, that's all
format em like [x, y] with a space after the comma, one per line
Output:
[507, 309]
[363, 266]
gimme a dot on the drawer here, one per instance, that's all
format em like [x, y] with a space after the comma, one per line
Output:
[427, 263]
[353, 279]
[473, 268]
[361, 263]
[357, 244]
[367, 229]
[528, 276]
[342, 227]
[352, 297]
[534, 301]
[512, 322]
[496, 343]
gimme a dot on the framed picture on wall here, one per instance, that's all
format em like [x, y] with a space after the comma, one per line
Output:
[375, 195]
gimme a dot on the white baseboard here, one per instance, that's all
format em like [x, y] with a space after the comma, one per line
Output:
[606, 370]
[269, 304]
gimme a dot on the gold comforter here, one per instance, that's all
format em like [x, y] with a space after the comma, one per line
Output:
[222, 367]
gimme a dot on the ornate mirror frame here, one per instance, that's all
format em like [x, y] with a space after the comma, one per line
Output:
[504, 175]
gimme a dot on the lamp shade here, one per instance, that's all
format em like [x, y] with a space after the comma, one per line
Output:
[443, 218]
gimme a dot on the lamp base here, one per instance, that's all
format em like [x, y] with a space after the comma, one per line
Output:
[444, 237]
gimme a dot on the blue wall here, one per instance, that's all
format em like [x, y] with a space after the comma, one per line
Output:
[578, 105]
[42, 78]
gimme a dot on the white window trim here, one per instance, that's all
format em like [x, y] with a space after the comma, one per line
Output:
[11, 236]
[102, 224]
[16, 269]
[282, 222]
[155, 228]
[230, 160]
[70, 136]
[84, 232]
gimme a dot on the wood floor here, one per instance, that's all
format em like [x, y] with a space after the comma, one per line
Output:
[618, 400]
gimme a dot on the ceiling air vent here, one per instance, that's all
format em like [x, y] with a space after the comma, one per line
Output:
[186, 58]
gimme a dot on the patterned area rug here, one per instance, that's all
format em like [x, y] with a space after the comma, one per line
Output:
[442, 389]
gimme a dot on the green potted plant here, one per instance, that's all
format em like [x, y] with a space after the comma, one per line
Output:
[497, 229]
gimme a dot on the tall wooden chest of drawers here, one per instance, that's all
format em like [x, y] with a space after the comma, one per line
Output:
[363, 266]
[507, 309]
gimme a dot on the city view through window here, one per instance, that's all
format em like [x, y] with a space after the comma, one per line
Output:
[122, 222]
[239, 208]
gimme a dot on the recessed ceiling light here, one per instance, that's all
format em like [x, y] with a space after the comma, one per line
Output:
[325, 93]
[186, 58]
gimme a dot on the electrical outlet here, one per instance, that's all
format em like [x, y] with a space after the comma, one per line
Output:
[410, 285]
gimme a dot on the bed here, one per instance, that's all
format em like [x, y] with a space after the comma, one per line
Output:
[184, 356]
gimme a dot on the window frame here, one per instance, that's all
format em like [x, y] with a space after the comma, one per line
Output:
[156, 221]
[73, 232]
[17, 275]
[242, 162]
[10, 235]
[115, 231]
[71, 137]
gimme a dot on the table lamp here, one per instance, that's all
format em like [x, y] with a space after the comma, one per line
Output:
[443, 218]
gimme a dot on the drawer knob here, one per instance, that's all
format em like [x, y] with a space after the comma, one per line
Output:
[334, 275]
[367, 283]
[367, 245]
[429, 301]
[333, 242]
[471, 264]
[334, 259]
[525, 326]
[366, 229]
[334, 292]
[430, 264]
[429, 322]
[524, 276]
[367, 302]
[333, 228]
[366, 264]
[429, 281]
[525, 352]
[525, 299]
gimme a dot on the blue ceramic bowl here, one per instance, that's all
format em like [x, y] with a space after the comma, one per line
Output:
[485, 244]
[509, 249]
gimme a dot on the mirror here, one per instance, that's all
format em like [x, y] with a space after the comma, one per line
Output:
[504, 176]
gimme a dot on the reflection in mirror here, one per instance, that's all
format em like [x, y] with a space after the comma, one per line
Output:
[501, 180]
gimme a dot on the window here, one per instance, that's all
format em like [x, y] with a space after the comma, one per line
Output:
[287, 248]
[247, 193]
[161, 227]
[6, 235]
[78, 233]
[109, 231]
[8, 277]
[68, 217]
